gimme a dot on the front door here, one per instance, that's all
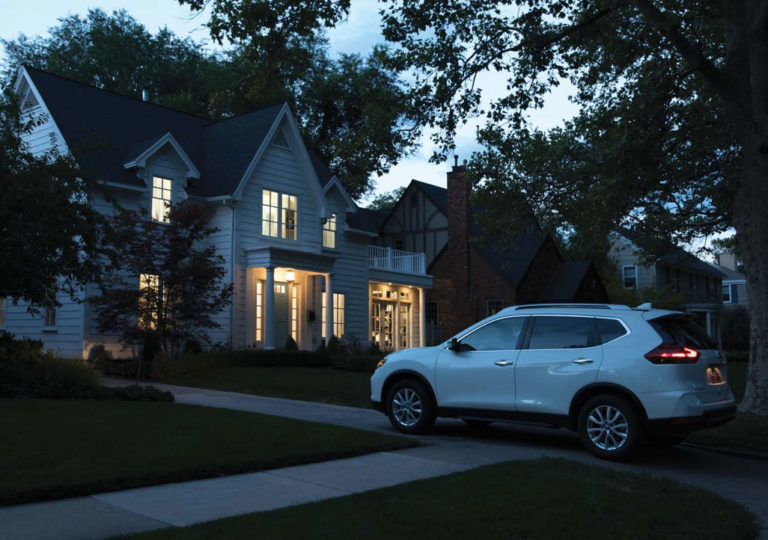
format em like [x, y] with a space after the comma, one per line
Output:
[383, 324]
[481, 374]
[282, 315]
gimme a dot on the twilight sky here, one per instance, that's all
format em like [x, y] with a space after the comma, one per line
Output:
[356, 35]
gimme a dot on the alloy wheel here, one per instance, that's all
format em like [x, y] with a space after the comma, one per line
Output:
[407, 407]
[607, 427]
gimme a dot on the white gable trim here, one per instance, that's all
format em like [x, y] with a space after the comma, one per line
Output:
[297, 146]
[351, 206]
[141, 159]
[61, 144]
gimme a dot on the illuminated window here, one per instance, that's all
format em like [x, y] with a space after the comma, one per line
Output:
[295, 313]
[329, 232]
[279, 214]
[259, 316]
[149, 301]
[161, 199]
[338, 314]
[2, 312]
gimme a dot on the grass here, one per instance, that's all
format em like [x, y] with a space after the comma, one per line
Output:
[535, 499]
[746, 432]
[52, 449]
[309, 384]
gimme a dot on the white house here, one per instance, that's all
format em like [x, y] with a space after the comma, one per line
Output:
[297, 247]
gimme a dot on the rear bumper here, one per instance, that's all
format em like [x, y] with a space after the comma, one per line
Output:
[686, 424]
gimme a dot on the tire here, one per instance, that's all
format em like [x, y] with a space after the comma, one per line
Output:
[410, 407]
[475, 423]
[610, 427]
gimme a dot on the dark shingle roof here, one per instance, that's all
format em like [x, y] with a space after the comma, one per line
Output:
[729, 273]
[513, 264]
[437, 194]
[104, 130]
[366, 219]
[673, 256]
[566, 281]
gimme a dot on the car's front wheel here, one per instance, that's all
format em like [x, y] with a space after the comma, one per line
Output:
[410, 407]
[609, 427]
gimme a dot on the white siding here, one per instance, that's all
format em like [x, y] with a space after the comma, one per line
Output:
[623, 253]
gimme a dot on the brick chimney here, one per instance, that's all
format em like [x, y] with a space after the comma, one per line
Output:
[458, 224]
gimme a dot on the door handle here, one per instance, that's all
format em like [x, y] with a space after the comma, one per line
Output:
[583, 361]
[505, 363]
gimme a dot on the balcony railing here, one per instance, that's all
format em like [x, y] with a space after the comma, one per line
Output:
[386, 258]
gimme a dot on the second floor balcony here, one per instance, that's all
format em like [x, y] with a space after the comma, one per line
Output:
[396, 260]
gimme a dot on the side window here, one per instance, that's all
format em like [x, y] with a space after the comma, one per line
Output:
[501, 334]
[561, 333]
[610, 329]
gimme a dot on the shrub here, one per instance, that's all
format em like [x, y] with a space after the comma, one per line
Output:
[99, 358]
[360, 363]
[291, 345]
[19, 349]
[334, 345]
[192, 347]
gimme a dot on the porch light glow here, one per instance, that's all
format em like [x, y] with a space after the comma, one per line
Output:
[290, 275]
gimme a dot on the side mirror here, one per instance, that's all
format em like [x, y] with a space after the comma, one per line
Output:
[454, 345]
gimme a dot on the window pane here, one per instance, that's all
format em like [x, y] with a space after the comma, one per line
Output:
[561, 333]
[682, 331]
[502, 334]
[610, 329]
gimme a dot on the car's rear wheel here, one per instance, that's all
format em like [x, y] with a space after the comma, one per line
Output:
[410, 407]
[609, 427]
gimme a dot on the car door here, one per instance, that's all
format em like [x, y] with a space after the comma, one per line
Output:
[479, 373]
[562, 354]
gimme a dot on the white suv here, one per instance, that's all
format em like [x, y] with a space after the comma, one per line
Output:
[615, 374]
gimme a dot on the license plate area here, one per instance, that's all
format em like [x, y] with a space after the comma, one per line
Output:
[714, 375]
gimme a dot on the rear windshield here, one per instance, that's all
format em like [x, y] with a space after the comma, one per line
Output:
[682, 331]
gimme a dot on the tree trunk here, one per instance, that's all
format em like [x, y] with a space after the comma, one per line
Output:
[751, 222]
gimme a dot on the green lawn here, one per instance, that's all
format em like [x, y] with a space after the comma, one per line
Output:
[535, 499]
[747, 432]
[51, 449]
[308, 384]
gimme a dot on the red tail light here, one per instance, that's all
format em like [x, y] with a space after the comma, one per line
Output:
[673, 354]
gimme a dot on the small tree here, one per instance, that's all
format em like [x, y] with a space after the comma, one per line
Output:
[167, 281]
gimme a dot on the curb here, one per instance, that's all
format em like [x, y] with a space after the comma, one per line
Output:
[727, 451]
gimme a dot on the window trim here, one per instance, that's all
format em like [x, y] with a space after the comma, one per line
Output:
[330, 226]
[488, 306]
[282, 211]
[624, 276]
[47, 327]
[166, 218]
[730, 293]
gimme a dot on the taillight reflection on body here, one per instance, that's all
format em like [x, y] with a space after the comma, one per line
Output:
[673, 354]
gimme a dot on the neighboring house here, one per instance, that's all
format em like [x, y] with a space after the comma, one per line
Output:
[473, 279]
[699, 282]
[734, 282]
[296, 246]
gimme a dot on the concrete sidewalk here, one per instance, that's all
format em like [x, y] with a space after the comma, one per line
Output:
[451, 448]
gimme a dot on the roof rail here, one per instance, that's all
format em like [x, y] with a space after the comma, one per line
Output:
[570, 306]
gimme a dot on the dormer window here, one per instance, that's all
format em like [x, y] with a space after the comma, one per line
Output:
[161, 199]
[329, 232]
[279, 215]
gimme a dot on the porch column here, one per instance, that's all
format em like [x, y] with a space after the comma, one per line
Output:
[709, 324]
[422, 317]
[329, 307]
[269, 309]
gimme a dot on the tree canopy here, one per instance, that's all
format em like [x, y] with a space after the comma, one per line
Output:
[49, 235]
[352, 110]
[673, 131]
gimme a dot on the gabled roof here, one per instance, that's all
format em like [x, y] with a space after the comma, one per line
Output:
[104, 130]
[673, 255]
[566, 281]
[366, 219]
[729, 273]
[513, 264]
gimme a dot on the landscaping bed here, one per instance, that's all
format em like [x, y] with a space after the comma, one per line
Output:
[61, 448]
[536, 499]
